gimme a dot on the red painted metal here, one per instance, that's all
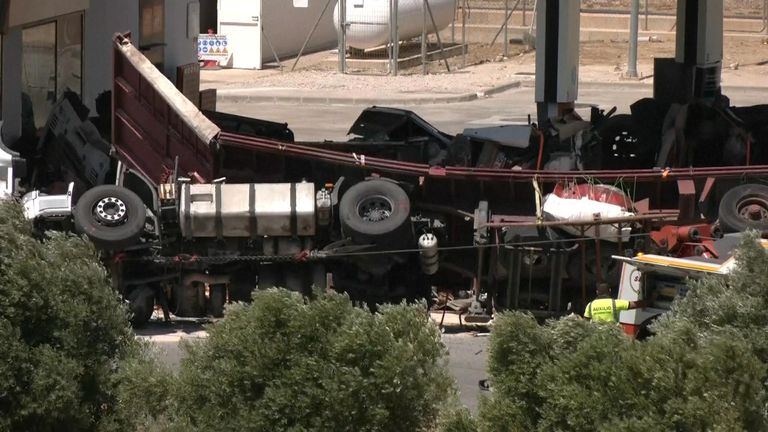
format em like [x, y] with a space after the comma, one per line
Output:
[484, 174]
[595, 192]
[686, 240]
[153, 123]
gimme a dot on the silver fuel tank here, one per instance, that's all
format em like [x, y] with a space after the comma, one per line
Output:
[247, 210]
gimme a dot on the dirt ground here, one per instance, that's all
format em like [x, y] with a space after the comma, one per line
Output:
[745, 63]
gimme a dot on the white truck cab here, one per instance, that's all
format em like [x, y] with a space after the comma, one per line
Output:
[668, 277]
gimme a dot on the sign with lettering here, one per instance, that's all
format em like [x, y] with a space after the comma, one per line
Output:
[213, 47]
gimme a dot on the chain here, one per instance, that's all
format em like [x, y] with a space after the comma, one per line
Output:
[306, 256]
[303, 256]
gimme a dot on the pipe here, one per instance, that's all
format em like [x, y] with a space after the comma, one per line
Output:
[541, 150]
[419, 169]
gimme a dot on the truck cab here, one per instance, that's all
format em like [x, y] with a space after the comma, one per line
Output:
[669, 278]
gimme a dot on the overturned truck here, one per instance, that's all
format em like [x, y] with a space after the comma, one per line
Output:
[193, 210]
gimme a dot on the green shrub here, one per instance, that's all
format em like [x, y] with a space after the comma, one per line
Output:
[457, 419]
[285, 363]
[143, 392]
[63, 330]
[704, 370]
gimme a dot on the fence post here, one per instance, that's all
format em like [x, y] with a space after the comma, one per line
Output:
[394, 37]
[525, 10]
[343, 36]
[453, 22]
[506, 28]
[765, 16]
[646, 15]
[424, 37]
[464, 34]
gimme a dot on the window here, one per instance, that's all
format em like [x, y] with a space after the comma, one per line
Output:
[52, 59]
[152, 31]
[69, 54]
[38, 74]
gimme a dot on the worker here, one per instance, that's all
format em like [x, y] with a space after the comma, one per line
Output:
[604, 308]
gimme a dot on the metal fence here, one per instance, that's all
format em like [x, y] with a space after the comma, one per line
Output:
[414, 37]
[393, 36]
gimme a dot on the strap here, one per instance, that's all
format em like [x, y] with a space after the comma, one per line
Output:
[590, 311]
[615, 312]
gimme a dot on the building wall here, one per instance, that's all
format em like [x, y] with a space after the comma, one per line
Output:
[11, 113]
[102, 20]
[28, 11]
[182, 25]
[287, 27]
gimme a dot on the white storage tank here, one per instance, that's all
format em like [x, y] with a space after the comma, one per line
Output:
[368, 20]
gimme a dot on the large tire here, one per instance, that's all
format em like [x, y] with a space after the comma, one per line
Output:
[112, 217]
[376, 212]
[744, 207]
[621, 146]
[141, 302]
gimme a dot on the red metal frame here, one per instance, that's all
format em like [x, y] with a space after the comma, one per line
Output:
[153, 123]
[487, 174]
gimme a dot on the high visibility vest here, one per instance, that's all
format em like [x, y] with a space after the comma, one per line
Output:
[605, 309]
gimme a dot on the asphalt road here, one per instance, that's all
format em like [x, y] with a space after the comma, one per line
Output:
[316, 123]
[468, 353]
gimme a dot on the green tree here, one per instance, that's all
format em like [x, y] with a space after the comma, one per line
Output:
[704, 370]
[287, 363]
[63, 330]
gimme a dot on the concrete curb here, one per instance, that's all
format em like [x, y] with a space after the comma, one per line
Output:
[237, 95]
[234, 96]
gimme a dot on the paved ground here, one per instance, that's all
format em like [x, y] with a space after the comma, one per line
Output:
[316, 123]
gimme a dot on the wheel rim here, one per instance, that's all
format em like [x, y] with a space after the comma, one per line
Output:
[622, 145]
[753, 209]
[110, 211]
[375, 208]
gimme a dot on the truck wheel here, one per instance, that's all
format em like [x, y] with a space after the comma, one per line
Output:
[620, 145]
[141, 303]
[376, 212]
[111, 216]
[744, 207]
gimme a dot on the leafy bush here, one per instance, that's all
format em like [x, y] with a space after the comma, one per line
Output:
[63, 330]
[285, 363]
[704, 370]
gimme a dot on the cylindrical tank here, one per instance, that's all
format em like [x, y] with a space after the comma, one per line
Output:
[247, 210]
[368, 20]
[428, 253]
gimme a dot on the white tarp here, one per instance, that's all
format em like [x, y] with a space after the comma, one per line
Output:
[586, 210]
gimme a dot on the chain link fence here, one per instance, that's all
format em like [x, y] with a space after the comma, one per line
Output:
[393, 36]
[390, 37]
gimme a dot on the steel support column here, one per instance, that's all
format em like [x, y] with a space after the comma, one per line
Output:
[557, 56]
[699, 44]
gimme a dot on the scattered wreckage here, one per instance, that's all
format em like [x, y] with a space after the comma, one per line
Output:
[196, 209]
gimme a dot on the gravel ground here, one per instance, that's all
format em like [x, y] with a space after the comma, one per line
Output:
[745, 63]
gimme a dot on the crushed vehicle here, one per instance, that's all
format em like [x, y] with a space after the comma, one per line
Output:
[196, 209]
[665, 278]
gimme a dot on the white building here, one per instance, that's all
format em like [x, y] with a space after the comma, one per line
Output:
[51, 45]
[251, 26]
